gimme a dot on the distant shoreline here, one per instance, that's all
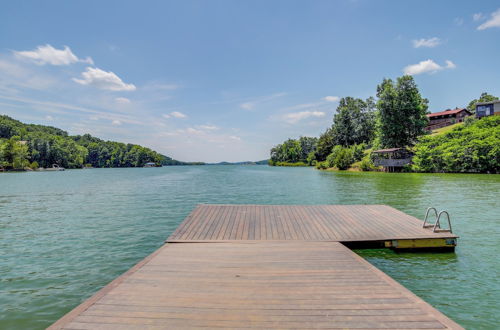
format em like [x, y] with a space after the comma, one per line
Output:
[94, 168]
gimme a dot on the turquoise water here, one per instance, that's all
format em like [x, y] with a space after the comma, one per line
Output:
[64, 235]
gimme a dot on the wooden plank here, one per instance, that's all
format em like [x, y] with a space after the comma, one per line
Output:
[254, 284]
[338, 223]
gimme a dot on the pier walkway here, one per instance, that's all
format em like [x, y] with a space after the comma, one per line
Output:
[251, 266]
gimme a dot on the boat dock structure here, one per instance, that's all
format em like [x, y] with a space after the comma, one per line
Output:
[270, 267]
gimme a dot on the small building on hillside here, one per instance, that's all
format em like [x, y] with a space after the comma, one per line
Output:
[392, 159]
[484, 109]
[446, 118]
[150, 164]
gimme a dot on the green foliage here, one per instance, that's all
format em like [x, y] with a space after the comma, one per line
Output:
[469, 121]
[307, 147]
[485, 97]
[14, 154]
[354, 121]
[296, 164]
[322, 165]
[325, 144]
[358, 151]
[45, 146]
[341, 158]
[34, 165]
[474, 149]
[401, 113]
[311, 158]
[294, 151]
[367, 164]
[115, 154]
[399, 121]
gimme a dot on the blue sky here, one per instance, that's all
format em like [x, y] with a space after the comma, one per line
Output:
[226, 80]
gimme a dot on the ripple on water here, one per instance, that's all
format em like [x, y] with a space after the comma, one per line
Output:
[64, 235]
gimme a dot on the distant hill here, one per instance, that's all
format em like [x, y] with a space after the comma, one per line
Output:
[28, 145]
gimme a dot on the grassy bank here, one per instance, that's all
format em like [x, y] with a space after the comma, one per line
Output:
[296, 164]
[473, 147]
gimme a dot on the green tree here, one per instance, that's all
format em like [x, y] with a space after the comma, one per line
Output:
[341, 157]
[14, 154]
[49, 145]
[307, 146]
[294, 151]
[485, 97]
[325, 144]
[401, 112]
[354, 122]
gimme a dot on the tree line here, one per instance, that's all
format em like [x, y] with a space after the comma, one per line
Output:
[395, 119]
[33, 146]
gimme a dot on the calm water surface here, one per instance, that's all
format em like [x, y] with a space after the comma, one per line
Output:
[64, 235]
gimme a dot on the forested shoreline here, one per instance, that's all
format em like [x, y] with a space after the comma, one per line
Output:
[396, 118]
[30, 146]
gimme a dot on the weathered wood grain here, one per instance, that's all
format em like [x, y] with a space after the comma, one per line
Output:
[337, 223]
[250, 284]
[265, 266]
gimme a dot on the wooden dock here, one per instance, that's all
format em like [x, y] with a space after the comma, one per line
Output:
[250, 266]
[380, 224]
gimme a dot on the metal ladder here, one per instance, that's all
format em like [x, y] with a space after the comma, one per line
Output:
[437, 226]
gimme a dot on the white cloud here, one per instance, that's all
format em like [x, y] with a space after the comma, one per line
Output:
[295, 117]
[122, 100]
[331, 98]
[177, 114]
[235, 138]
[450, 65]
[431, 42]
[195, 131]
[103, 80]
[428, 66]
[208, 127]
[49, 55]
[13, 69]
[15, 75]
[50, 118]
[477, 17]
[165, 116]
[116, 122]
[305, 106]
[247, 105]
[494, 21]
[95, 114]
[250, 105]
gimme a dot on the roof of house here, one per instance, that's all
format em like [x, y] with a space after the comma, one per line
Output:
[447, 112]
[490, 102]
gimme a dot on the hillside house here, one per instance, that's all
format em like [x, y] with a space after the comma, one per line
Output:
[484, 109]
[446, 118]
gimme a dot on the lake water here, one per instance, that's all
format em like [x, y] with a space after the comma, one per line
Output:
[64, 235]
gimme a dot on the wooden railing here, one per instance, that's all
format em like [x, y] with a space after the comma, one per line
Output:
[392, 162]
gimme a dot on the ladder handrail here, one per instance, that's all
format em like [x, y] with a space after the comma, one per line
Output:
[427, 215]
[437, 225]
